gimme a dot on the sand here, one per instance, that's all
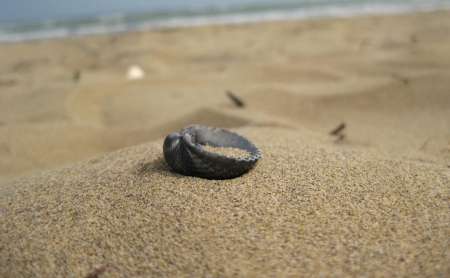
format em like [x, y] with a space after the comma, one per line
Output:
[231, 152]
[84, 185]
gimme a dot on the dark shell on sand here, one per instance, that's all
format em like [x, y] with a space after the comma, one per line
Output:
[183, 152]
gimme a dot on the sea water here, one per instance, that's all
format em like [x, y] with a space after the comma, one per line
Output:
[45, 19]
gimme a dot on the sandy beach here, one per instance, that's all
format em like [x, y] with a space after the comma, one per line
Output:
[84, 186]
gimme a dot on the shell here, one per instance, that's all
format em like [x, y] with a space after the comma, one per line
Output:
[183, 152]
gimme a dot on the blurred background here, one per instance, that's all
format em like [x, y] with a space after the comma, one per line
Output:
[81, 78]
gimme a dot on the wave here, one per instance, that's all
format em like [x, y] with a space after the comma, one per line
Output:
[120, 22]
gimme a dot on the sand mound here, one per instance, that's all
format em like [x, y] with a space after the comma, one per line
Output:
[302, 210]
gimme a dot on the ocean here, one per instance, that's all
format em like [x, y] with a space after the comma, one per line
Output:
[62, 21]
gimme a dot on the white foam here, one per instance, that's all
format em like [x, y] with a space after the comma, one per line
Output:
[118, 22]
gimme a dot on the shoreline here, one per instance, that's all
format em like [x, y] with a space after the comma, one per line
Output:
[80, 31]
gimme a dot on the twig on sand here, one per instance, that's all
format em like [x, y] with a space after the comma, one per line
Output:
[76, 75]
[235, 99]
[338, 132]
[400, 78]
[97, 272]
[338, 129]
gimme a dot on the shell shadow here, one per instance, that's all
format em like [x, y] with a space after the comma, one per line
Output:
[157, 165]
